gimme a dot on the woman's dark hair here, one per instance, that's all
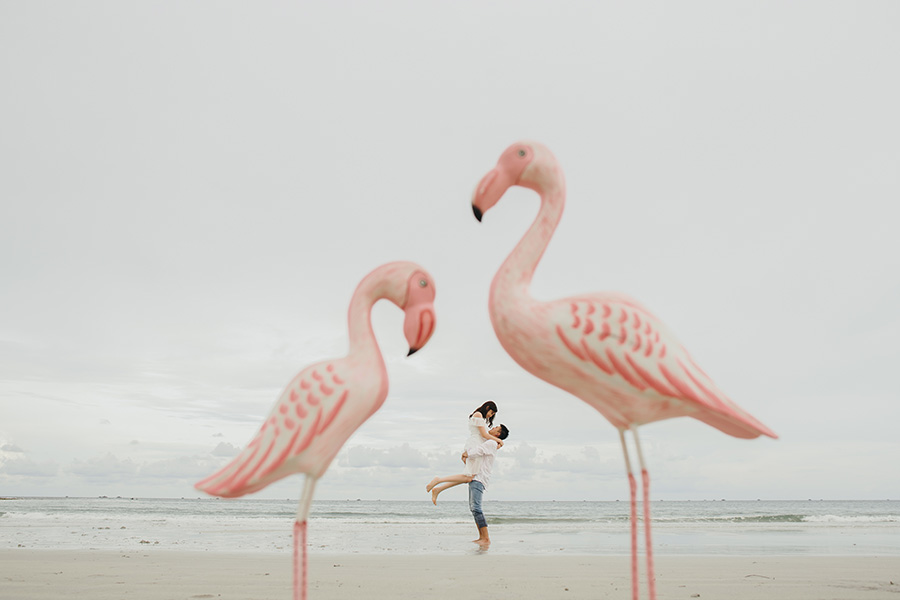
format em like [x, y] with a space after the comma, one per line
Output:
[489, 405]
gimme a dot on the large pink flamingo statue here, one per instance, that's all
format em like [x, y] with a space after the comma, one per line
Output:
[326, 402]
[604, 348]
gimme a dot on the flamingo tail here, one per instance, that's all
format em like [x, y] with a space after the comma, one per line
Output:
[749, 429]
[223, 482]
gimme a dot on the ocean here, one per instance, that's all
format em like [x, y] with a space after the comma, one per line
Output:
[741, 528]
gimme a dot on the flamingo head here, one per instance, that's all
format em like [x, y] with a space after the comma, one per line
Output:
[528, 164]
[418, 325]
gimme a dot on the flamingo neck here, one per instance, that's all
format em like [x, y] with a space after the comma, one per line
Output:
[370, 290]
[514, 277]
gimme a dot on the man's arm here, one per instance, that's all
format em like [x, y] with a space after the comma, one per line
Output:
[486, 447]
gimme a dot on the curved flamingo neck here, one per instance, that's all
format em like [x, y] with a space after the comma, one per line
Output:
[514, 277]
[370, 290]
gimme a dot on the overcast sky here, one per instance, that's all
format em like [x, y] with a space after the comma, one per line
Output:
[191, 191]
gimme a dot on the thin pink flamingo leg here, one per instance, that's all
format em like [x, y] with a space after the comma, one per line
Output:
[632, 484]
[300, 565]
[651, 579]
[300, 551]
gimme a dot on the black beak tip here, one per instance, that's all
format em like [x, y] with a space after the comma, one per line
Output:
[412, 351]
[478, 213]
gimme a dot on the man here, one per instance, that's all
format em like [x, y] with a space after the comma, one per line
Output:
[480, 481]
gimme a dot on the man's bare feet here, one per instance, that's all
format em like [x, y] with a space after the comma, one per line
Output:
[484, 538]
[431, 484]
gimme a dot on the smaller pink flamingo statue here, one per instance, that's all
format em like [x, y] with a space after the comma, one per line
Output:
[326, 402]
[604, 348]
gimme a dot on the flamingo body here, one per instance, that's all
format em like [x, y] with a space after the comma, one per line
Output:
[326, 402]
[316, 413]
[615, 355]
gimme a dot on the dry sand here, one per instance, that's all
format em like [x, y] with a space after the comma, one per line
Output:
[148, 574]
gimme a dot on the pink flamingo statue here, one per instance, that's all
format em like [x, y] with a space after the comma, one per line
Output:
[326, 402]
[604, 348]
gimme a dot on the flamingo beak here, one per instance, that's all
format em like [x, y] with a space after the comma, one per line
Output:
[490, 190]
[418, 326]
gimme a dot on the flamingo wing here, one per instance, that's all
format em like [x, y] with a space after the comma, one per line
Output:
[627, 343]
[304, 411]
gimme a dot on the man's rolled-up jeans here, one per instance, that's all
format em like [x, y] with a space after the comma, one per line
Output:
[476, 491]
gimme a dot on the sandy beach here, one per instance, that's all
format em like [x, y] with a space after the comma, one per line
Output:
[45, 574]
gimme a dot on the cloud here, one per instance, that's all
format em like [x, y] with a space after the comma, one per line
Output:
[171, 472]
[25, 467]
[225, 449]
[107, 467]
[586, 459]
[197, 342]
[525, 455]
[398, 456]
[182, 467]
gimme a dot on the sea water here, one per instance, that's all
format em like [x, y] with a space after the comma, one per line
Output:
[759, 527]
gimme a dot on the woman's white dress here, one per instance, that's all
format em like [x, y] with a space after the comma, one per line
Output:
[473, 464]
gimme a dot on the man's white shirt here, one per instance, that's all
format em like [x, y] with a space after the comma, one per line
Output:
[487, 449]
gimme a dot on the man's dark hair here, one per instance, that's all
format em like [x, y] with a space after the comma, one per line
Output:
[504, 432]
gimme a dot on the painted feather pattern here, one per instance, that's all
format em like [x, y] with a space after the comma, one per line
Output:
[303, 413]
[627, 344]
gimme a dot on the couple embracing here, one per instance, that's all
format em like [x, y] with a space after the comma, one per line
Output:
[480, 449]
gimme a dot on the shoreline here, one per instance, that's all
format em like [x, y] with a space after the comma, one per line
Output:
[144, 574]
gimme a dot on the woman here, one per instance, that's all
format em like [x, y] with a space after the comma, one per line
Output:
[481, 419]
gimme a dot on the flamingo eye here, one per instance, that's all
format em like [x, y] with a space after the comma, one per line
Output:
[423, 283]
[521, 152]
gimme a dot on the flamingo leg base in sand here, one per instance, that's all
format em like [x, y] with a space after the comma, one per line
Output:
[300, 571]
[300, 548]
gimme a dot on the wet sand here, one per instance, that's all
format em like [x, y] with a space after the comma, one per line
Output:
[159, 574]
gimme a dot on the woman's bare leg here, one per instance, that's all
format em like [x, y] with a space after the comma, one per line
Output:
[461, 478]
[440, 488]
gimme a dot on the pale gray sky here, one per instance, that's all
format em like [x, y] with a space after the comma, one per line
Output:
[190, 192]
